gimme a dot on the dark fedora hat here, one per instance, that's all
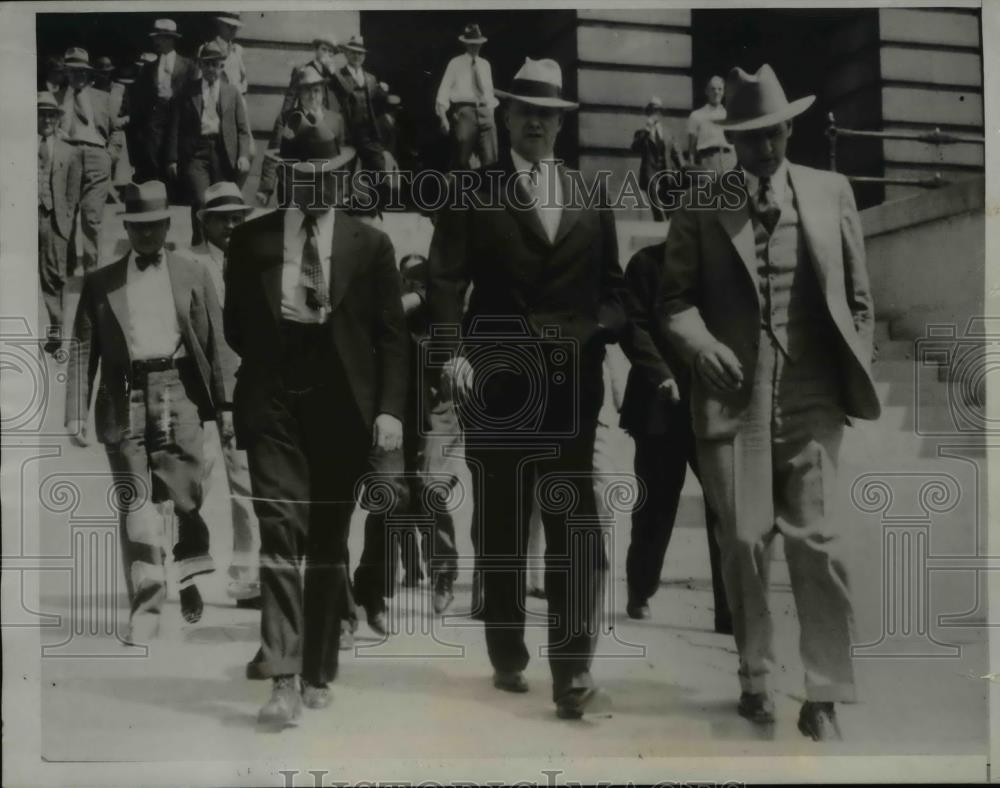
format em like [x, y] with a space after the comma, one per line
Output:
[757, 101]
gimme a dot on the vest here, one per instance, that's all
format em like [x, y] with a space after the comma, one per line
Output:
[793, 309]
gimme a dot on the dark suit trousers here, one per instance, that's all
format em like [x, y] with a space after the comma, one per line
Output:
[661, 463]
[160, 460]
[52, 251]
[208, 164]
[305, 465]
[151, 164]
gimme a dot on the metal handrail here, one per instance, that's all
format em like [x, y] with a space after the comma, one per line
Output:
[935, 137]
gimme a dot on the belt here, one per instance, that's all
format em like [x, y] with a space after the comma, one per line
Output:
[143, 367]
[469, 104]
[88, 143]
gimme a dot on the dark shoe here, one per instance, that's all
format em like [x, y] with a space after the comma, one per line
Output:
[346, 635]
[510, 681]
[756, 707]
[637, 610]
[571, 705]
[443, 596]
[412, 579]
[285, 706]
[191, 604]
[818, 721]
[377, 620]
[316, 696]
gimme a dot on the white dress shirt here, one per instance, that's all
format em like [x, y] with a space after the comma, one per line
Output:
[457, 84]
[153, 330]
[293, 292]
[164, 74]
[210, 107]
[701, 126]
[779, 183]
[547, 191]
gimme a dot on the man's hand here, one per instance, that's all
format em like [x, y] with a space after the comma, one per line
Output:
[243, 165]
[387, 432]
[172, 170]
[668, 391]
[445, 126]
[78, 434]
[456, 378]
[226, 430]
[719, 368]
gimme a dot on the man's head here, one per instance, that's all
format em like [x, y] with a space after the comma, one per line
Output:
[533, 129]
[326, 49]
[654, 108]
[49, 114]
[226, 26]
[223, 210]
[715, 90]
[210, 61]
[472, 39]
[103, 73]
[354, 50]
[761, 151]
[147, 215]
[315, 167]
[55, 72]
[473, 49]
[147, 237]
[310, 89]
[163, 44]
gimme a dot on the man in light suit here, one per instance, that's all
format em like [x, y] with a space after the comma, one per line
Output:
[313, 309]
[87, 124]
[767, 298]
[152, 324]
[59, 168]
[545, 277]
[209, 137]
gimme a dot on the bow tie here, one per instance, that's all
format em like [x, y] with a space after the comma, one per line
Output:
[143, 261]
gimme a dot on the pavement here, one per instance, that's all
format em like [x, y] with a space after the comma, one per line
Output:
[668, 683]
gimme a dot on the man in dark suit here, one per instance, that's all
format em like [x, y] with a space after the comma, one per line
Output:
[161, 80]
[547, 286]
[59, 168]
[660, 163]
[656, 412]
[313, 310]
[766, 297]
[209, 138]
[152, 324]
[325, 49]
[87, 124]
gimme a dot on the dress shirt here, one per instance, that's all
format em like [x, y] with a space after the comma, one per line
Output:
[457, 84]
[293, 292]
[547, 191]
[701, 126]
[779, 183]
[165, 74]
[210, 107]
[654, 128]
[153, 330]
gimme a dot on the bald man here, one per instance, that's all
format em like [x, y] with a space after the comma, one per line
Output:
[708, 148]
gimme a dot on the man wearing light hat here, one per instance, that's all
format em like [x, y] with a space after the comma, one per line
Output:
[87, 124]
[769, 304]
[313, 308]
[657, 154]
[151, 323]
[59, 168]
[227, 24]
[161, 80]
[545, 274]
[466, 103]
[209, 139]
[322, 63]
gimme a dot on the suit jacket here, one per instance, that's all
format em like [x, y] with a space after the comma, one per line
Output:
[366, 323]
[653, 359]
[709, 293]
[185, 123]
[185, 71]
[67, 168]
[343, 85]
[655, 155]
[574, 282]
[100, 340]
[100, 107]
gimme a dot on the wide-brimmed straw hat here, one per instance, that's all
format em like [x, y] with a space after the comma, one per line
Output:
[77, 58]
[146, 202]
[538, 82]
[355, 44]
[757, 101]
[47, 102]
[223, 197]
[231, 18]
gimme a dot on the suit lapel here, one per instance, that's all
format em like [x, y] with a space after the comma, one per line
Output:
[181, 287]
[196, 100]
[815, 222]
[739, 228]
[271, 251]
[116, 294]
[516, 199]
[344, 257]
[571, 209]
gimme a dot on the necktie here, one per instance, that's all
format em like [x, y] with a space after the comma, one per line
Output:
[143, 261]
[477, 82]
[45, 173]
[317, 293]
[765, 207]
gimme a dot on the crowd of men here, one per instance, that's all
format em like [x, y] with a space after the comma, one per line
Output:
[293, 347]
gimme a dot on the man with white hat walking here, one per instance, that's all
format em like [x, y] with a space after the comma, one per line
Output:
[466, 102]
[227, 25]
[87, 124]
[152, 324]
[545, 278]
[770, 306]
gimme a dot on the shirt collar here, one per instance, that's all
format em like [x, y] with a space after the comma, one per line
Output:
[521, 164]
[294, 218]
[778, 181]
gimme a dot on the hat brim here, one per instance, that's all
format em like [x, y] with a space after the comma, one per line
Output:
[788, 112]
[538, 101]
[167, 33]
[349, 48]
[230, 22]
[147, 216]
[481, 40]
[225, 209]
[78, 67]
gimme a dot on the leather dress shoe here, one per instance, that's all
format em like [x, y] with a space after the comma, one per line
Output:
[637, 610]
[377, 621]
[285, 706]
[443, 597]
[571, 705]
[756, 707]
[316, 696]
[818, 721]
[191, 605]
[510, 681]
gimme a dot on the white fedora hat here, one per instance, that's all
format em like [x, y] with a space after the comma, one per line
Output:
[165, 27]
[538, 82]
